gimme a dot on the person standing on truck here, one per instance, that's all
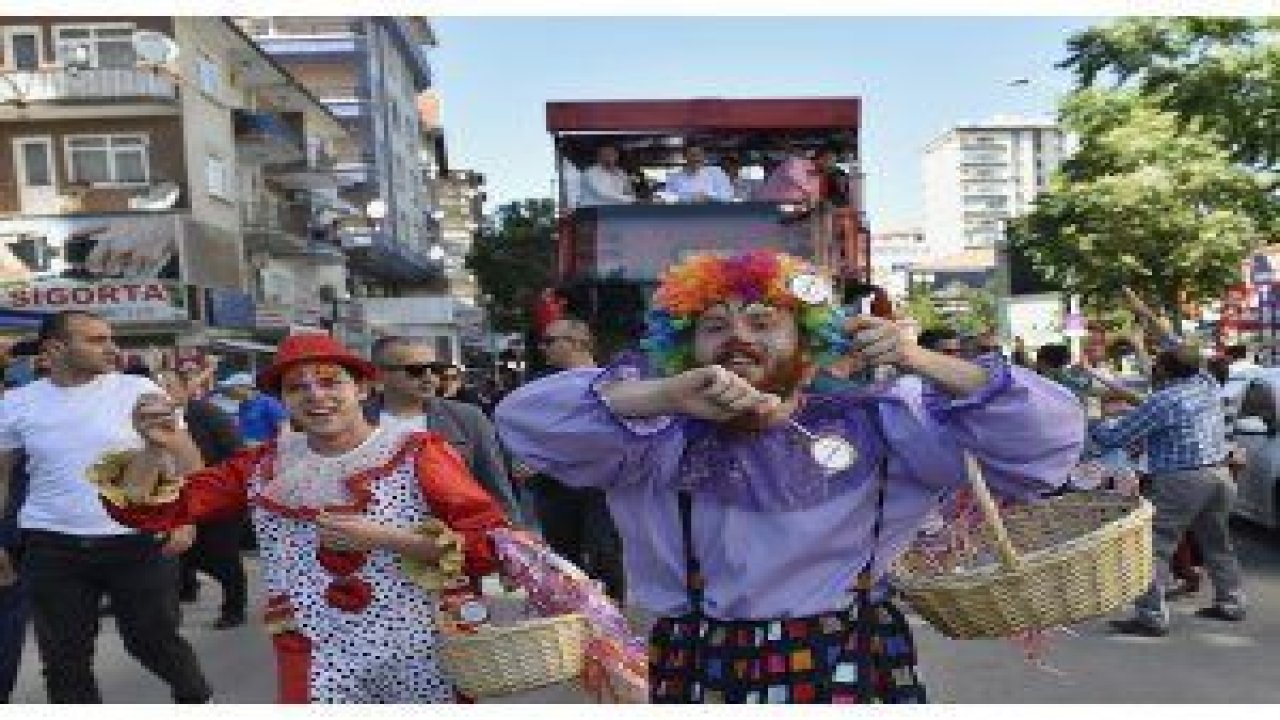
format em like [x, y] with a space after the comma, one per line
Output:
[606, 183]
[697, 181]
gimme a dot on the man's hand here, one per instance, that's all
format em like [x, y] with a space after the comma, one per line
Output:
[714, 393]
[8, 574]
[155, 417]
[879, 341]
[351, 531]
[178, 541]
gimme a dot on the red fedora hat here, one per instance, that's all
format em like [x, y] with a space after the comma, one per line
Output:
[312, 347]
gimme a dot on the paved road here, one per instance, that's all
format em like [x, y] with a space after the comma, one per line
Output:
[1202, 661]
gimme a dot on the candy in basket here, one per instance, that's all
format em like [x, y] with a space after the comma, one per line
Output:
[575, 632]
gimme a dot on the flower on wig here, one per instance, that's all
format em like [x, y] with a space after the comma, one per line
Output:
[690, 288]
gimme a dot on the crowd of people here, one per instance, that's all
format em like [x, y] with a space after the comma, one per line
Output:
[746, 479]
[789, 175]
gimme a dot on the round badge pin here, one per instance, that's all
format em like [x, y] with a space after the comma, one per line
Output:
[834, 454]
[810, 289]
[473, 612]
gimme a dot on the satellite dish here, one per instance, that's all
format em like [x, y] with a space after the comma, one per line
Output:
[161, 196]
[154, 48]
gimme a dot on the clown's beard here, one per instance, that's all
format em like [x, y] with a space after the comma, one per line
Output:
[784, 380]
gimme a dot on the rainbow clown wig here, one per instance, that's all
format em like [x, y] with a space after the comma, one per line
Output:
[689, 288]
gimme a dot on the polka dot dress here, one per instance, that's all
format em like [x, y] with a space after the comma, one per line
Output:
[386, 653]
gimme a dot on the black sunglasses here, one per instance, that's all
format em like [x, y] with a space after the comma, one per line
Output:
[413, 371]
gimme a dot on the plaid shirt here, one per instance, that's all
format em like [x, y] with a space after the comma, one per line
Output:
[1182, 425]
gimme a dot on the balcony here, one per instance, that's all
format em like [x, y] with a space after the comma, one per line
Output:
[275, 227]
[265, 138]
[315, 172]
[24, 89]
[376, 253]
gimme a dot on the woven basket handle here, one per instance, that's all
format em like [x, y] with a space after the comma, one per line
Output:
[1008, 556]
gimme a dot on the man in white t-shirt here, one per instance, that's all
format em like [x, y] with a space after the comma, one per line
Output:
[606, 183]
[697, 181]
[74, 553]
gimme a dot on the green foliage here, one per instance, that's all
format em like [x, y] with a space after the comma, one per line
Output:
[1149, 200]
[921, 308]
[981, 314]
[1222, 73]
[514, 259]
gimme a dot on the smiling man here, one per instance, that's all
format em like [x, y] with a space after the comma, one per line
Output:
[359, 527]
[763, 554]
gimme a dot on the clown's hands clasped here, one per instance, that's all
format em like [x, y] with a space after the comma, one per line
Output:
[715, 393]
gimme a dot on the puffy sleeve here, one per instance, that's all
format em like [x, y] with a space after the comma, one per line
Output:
[456, 499]
[214, 493]
[562, 426]
[1026, 432]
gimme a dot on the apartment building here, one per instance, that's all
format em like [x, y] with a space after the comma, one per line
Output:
[978, 175]
[369, 72]
[893, 253]
[164, 172]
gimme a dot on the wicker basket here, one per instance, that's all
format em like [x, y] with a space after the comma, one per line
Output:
[509, 659]
[1043, 565]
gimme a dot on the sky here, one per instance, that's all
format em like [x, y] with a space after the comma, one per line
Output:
[917, 78]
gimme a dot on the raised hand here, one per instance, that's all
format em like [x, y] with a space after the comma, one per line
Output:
[878, 341]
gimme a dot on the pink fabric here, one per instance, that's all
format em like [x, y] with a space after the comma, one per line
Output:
[795, 180]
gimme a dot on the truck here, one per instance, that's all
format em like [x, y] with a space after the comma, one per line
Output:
[609, 257]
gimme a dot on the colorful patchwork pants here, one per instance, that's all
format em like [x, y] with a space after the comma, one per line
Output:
[862, 655]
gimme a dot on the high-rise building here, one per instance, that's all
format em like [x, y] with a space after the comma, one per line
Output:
[369, 71]
[161, 172]
[977, 176]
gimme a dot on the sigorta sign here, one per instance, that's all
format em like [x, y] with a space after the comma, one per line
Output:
[121, 300]
[33, 296]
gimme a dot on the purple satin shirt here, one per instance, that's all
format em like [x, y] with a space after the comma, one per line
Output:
[778, 536]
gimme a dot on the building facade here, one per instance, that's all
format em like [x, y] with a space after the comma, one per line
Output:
[369, 72]
[977, 176]
[893, 253]
[153, 169]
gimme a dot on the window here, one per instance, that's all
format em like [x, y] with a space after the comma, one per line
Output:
[108, 46]
[114, 159]
[23, 51]
[210, 77]
[216, 178]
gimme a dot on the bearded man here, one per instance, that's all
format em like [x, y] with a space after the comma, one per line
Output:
[359, 527]
[763, 559]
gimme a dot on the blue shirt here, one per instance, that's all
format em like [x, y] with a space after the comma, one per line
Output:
[1182, 425]
[260, 417]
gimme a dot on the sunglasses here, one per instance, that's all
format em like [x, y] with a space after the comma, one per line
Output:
[414, 371]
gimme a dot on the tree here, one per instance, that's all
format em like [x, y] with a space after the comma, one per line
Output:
[1222, 73]
[1150, 200]
[514, 259]
[980, 313]
[921, 308]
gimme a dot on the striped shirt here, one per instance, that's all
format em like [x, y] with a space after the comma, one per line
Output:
[1182, 425]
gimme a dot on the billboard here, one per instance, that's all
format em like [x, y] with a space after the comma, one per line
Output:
[148, 301]
[125, 246]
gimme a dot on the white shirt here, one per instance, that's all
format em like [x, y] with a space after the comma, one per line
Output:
[64, 430]
[709, 180]
[412, 422]
[604, 186]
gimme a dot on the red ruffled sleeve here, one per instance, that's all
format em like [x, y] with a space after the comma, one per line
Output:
[215, 493]
[457, 499]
